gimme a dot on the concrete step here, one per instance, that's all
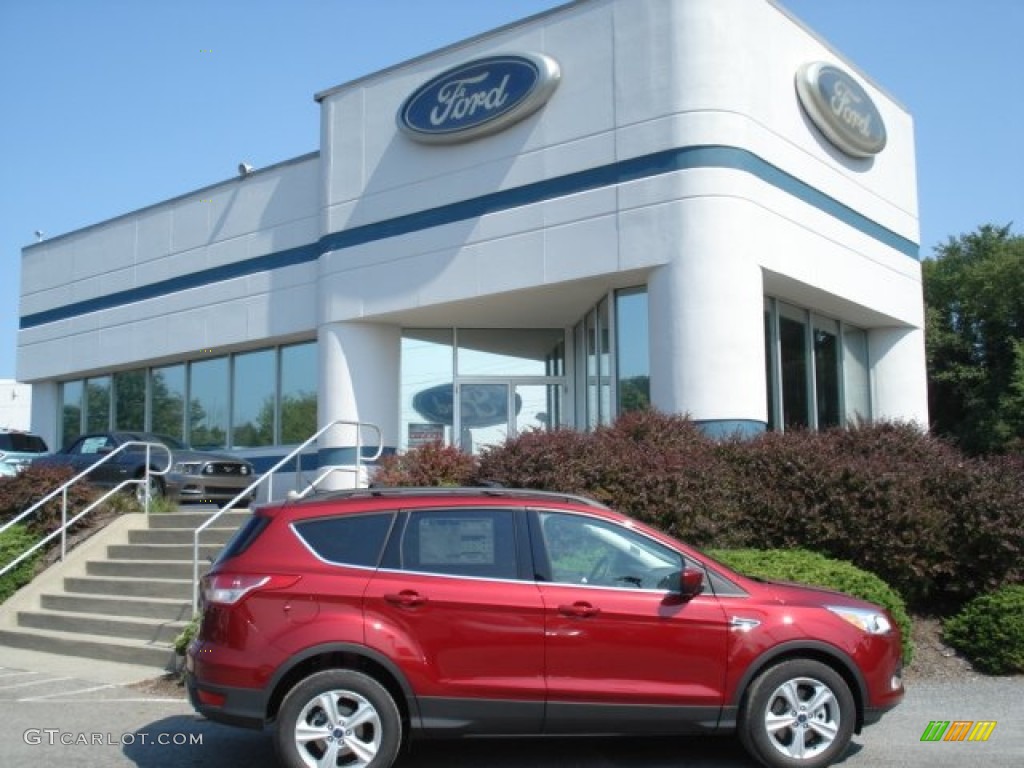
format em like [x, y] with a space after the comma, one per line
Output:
[88, 646]
[211, 536]
[148, 630]
[180, 589]
[167, 609]
[145, 569]
[162, 552]
[231, 519]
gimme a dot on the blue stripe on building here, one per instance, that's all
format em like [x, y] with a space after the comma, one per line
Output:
[633, 169]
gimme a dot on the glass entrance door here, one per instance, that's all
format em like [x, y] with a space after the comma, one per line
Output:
[491, 411]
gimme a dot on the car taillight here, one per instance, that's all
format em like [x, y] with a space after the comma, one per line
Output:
[229, 588]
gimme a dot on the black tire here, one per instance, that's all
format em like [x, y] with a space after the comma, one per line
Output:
[155, 490]
[306, 730]
[797, 714]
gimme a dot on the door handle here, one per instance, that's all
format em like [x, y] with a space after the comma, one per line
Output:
[579, 610]
[407, 598]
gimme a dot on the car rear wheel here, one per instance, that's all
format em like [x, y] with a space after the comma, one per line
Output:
[798, 714]
[338, 717]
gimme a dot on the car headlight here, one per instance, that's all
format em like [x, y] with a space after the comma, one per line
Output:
[186, 468]
[867, 620]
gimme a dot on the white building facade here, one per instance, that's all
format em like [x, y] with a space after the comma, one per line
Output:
[614, 204]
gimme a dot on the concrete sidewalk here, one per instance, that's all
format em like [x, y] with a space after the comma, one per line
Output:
[96, 671]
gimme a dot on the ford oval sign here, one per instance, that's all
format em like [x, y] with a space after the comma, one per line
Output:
[841, 109]
[480, 97]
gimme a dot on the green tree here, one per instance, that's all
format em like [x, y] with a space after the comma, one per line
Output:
[974, 297]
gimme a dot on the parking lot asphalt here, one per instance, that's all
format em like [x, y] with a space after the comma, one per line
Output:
[47, 717]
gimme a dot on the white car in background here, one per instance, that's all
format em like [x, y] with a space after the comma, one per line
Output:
[18, 450]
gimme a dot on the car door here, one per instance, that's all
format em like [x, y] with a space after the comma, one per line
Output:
[455, 605]
[624, 651]
[88, 450]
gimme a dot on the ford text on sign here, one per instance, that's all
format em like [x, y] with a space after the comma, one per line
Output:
[478, 98]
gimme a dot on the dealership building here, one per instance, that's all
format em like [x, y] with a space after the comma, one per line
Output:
[696, 205]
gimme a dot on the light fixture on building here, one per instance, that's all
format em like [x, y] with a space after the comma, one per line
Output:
[244, 169]
[39, 235]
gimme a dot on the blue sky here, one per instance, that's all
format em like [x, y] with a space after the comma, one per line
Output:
[112, 105]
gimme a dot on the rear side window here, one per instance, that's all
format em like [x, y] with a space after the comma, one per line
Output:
[465, 542]
[18, 442]
[355, 540]
[244, 537]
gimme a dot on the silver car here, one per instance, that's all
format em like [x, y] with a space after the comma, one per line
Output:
[194, 476]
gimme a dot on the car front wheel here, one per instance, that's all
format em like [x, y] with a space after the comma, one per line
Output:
[338, 717]
[149, 486]
[798, 714]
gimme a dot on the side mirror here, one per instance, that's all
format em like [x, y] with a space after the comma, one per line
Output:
[691, 583]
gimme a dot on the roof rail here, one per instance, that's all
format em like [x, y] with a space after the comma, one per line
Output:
[487, 490]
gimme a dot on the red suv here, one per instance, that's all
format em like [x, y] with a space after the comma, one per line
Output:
[354, 620]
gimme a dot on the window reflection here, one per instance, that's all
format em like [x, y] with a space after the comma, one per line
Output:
[130, 400]
[826, 372]
[256, 403]
[816, 369]
[208, 403]
[856, 382]
[509, 352]
[252, 399]
[71, 411]
[427, 386]
[97, 404]
[167, 398]
[632, 358]
[793, 358]
[299, 371]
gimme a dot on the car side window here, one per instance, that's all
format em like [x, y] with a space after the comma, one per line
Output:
[588, 551]
[478, 543]
[352, 540]
[92, 445]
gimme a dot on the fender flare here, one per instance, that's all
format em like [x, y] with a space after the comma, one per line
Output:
[356, 650]
[811, 649]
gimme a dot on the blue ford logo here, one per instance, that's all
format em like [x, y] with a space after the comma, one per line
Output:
[841, 109]
[478, 98]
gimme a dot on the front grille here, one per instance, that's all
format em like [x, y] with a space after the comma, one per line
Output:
[224, 468]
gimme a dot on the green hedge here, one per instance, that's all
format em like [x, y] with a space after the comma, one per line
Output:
[815, 570]
[13, 542]
[990, 631]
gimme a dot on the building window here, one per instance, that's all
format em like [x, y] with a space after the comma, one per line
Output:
[208, 395]
[298, 389]
[71, 411]
[826, 371]
[475, 387]
[167, 401]
[612, 368]
[428, 386]
[794, 366]
[856, 379]
[270, 397]
[253, 387]
[97, 404]
[130, 400]
[632, 356]
[816, 369]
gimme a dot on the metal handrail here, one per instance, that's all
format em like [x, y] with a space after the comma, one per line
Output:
[63, 491]
[268, 477]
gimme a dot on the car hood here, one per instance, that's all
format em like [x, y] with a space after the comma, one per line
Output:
[191, 455]
[789, 593]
